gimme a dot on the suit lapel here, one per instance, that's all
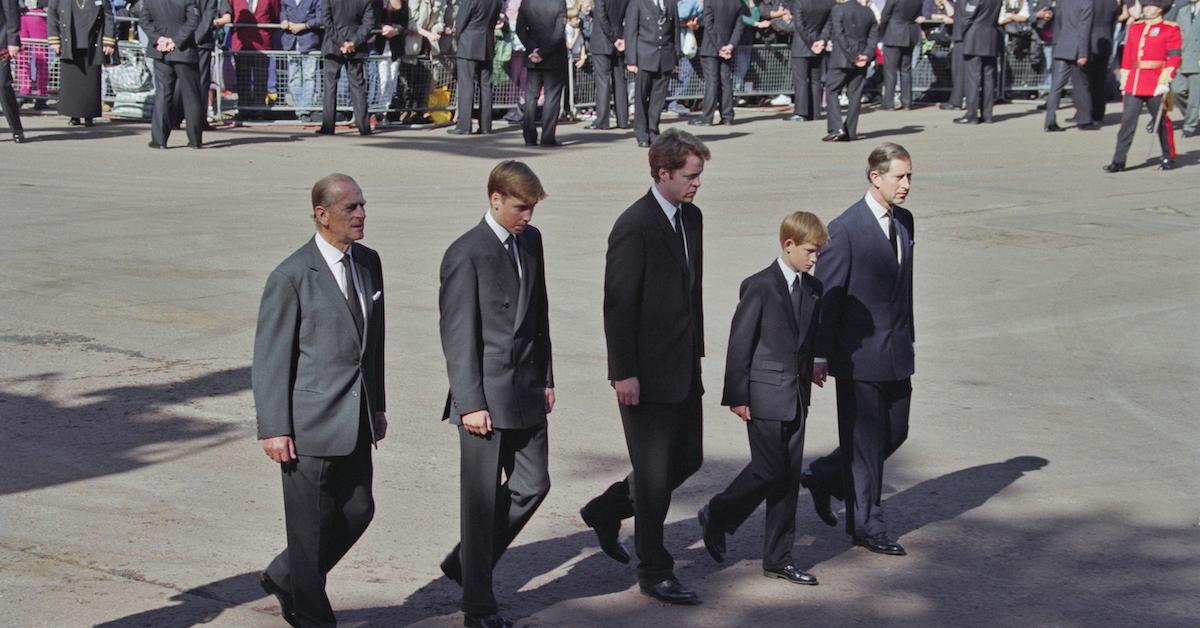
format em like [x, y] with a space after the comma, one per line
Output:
[667, 230]
[880, 247]
[808, 303]
[500, 262]
[904, 242]
[785, 294]
[328, 284]
[529, 272]
[367, 280]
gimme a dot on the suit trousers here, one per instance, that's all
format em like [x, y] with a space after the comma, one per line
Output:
[650, 96]
[807, 82]
[203, 78]
[957, 74]
[838, 79]
[493, 512]
[1061, 71]
[554, 81]
[609, 71]
[8, 100]
[1187, 95]
[897, 60]
[356, 79]
[773, 475]
[718, 87]
[1130, 110]
[327, 505]
[872, 424]
[980, 84]
[470, 71]
[1099, 78]
[172, 78]
[665, 442]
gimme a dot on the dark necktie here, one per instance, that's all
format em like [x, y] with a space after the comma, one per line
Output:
[796, 298]
[511, 245]
[892, 234]
[679, 230]
[352, 294]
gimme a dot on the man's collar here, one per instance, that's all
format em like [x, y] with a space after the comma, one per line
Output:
[789, 274]
[499, 230]
[663, 202]
[877, 208]
[330, 252]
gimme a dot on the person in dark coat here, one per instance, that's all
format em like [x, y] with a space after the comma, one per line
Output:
[854, 33]
[652, 52]
[541, 26]
[475, 43]
[900, 34]
[170, 26]
[10, 45]
[1099, 71]
[723, 26]
[607, 47]
[348, 25]
[978, 31]
[81, 34]
[809, 55]
[1072, 45]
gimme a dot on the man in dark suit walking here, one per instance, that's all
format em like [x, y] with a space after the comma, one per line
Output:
[977, 30]
[170, 27]
[723, 26]
[899, 33]
[319, 396]
[475, 46]
[348, 25]
[809, 54]
[865, 340]
[1072, 46]
[541, 26]
[654, 329]
[652, 52]
[854, 32]
[607, 47]
[10, 45]
[495, 330]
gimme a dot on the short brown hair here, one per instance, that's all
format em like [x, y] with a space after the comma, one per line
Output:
[514, 178]
[880, 159]
[671, 150]
[803, 228]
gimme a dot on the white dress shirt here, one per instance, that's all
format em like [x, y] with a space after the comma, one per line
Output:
[789, 275]
[333, 257]
[670, 210]
[503, 234]
[884, 216]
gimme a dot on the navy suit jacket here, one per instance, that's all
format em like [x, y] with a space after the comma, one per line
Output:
[866, 328]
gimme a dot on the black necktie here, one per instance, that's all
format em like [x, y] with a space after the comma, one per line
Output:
[352, 295]
[892, 234]
[796, 297]
[679, 230]
[511, 244]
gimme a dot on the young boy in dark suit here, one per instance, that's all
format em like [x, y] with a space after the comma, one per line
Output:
[768, 382]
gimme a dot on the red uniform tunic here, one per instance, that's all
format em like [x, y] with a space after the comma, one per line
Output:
[1153, 50]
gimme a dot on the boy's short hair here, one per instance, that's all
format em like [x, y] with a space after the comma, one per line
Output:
[803, 228]
[671, 149]
[514, 178]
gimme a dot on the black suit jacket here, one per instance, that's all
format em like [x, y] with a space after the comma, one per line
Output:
[1104, 20]
[348, 20]
[897, 23]
[1072, 28]
[10, 23]
[204, 27]
[541, 26]
[769, 363]
[854, 31]
[495, 329]
[722, 21]
[979, 31]
[653, 316]
[649, 44]
[175, 20]
[809, 18]
[866, 328]
[475, 29]
[608, 25]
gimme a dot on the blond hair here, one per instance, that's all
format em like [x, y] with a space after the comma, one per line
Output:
[514, 178]
[803, 228]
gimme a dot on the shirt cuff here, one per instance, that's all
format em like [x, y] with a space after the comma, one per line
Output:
[820, 360]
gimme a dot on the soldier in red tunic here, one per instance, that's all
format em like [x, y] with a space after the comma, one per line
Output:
[1153, 48]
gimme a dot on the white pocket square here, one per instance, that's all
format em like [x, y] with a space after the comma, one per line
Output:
[377, 296]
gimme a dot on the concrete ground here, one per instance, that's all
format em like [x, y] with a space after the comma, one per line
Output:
[1050, 477]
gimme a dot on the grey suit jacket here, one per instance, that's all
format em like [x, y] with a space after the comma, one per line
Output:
[495, 329]
[977, 29]
[311, 369]
[10, 23]
[1072, 29]
[1189, 27]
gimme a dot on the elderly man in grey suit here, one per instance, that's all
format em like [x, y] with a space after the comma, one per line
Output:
[319, 396]
[495, 330]
[1187, 84]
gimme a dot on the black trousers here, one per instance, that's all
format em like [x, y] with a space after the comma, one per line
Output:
[897, 60]
[203, 79]
[980, 85]
[356, 79]
[470, 71]
[872, 424]
[1061, 71]
[838, 79]
[665, 443]
[649, 98]
[957, 74]
[327, 506]
[1098, 78]
[495, 509]
[1131, 108]
[807, 83]
[253, 72]
[172, 78]
[554, 81]
[773, 475]
[609, 71]
[8, 100]
[718, 87]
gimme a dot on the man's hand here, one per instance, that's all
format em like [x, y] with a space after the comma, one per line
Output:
[629, 391]
[726, 51]
[279, 448]
[820, 373]
[920, 19]
[818, 46]
[13, 50]
[535, 56]
[105, 49]
[1081, 61]
[631, 67]
[742, 411]
[389, 31]
[860, 61]
[4, 54]
[619, 45]
[380, 424]
[348, 48]
[478, 422]
[286, 25]
[223, 20]
[549, 400]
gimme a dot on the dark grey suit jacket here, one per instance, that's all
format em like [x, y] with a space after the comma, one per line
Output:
[650, 44]
[175, 20]
[475, 29]
[866, 328]
[541, 26]
[897, 23]
[979, 31]
[10, 23]
[854, 31]
[608, 25]
[1072, 29]
[311, 368]
[495, 329]
[809, 18]
[769, 363]
[722, 20]
[348, 20]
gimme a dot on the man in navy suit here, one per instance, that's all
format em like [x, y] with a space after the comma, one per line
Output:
[865, 340]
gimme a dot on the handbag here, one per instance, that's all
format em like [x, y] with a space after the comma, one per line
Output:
[689, 47]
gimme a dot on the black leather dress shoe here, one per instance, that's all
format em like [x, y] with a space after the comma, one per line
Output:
[947, 107]
[671, 592]
[1052, 128]
[472, 620]
[596, 127]
[714, 539]
[19, 137]
[880, 544]
[820, 498]
[836, 136]
[1114, 167]
[323, 131]
[791, 573]
[1088, 126]
[608, 533]
[452, 569]
[699, 122]
[643, 143]
[552, 144]
[456, 131]
[966, 120]
[1167, 164]
[364, 132]
[283, 597]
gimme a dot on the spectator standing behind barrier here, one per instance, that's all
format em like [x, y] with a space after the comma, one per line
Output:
[208, 31]
[34, 60]
[689, 13]
[348, 25]
[301, 23]
[1100, 56]
[853, 33]
[723, 28]
[983, 43]
[389, 43]
[651, 52]
[423, 40]
[809, 55]
[170, 26]
[10, 46]
[1072, 44]
[1187, 84]
[81, 34]
[943, 11]
[900, 34]
[754, 22]
[607, 46]
[253, 71]
[475, 38]
[541, 25]
[1043, 26]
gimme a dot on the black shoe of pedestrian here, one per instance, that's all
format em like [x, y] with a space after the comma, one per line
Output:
[671, 592]
[796, 118]
[836, 136]
[364, 132]
[643, 143]
[89, 122]
[947, 107]
[456, 131]
[1114, 167]
[551, 143]
[452, 569]
[19, 137]
[880, 544]
[286, 608]
[714, 539]
[820, 498]
[966, 120]
[596, 127]
[323, 131]
[74, 122]
[471, 620]
[792, 574]
[153, 144]
[1088, 126]
[608, 533]
[1053, 128]
[1167, 164]
[699, 122]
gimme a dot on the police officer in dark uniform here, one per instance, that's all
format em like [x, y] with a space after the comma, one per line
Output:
[170, 26]
[652, 52]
